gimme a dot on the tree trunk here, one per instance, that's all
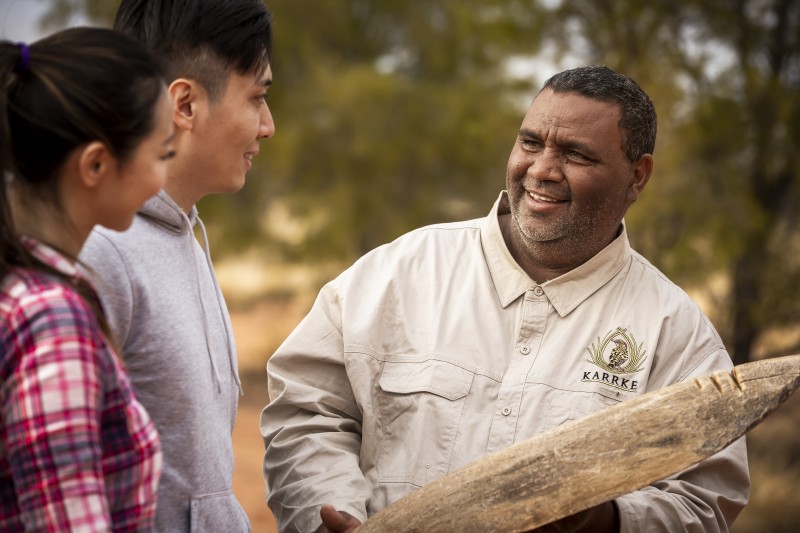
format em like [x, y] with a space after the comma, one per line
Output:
[746, 295]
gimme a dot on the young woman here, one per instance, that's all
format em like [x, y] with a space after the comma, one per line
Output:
[85, 133]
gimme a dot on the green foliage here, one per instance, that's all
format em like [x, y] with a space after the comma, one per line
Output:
[389, 115]
[100, 12]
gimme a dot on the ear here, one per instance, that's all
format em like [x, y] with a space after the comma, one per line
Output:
[186, 96]
[95, 162]
[642, 170]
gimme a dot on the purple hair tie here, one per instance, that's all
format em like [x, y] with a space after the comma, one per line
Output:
[24, 57]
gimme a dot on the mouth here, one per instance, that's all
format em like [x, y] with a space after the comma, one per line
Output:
[248, 160]
[539, 197]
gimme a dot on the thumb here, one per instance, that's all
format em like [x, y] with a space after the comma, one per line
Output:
[336, 520]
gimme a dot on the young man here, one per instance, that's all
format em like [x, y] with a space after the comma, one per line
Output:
[157, 283]
[457, 340]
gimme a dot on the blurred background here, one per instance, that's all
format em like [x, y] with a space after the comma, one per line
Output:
[392, 114]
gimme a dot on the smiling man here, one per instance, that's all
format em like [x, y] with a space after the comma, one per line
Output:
[569, 181]
[458, 340]
[156, 282]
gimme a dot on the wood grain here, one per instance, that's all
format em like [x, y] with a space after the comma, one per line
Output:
[566, 470]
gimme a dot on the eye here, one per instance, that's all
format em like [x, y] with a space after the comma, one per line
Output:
[530, 145]
[169, 155]
[577, 157]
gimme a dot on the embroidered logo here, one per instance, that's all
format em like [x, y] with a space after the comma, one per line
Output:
[616, 353]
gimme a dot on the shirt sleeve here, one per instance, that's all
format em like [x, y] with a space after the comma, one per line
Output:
[312, 425]
[51, 410]
[704, 498]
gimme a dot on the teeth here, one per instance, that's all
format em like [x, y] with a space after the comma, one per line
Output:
[542, 198]
[248, 156]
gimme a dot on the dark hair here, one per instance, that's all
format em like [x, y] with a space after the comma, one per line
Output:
[74, 87]
[204, 40]
[638, 122]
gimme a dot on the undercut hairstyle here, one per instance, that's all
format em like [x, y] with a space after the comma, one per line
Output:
[202, 40]
[638, 122]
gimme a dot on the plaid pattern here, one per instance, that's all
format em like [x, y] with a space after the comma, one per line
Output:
[77, 450]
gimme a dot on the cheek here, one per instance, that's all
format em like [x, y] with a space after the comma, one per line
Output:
[150, 180]
[515, 170]
[158, 177]
[245, 125]
[255, 122]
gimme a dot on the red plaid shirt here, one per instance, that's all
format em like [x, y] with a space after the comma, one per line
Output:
[77, 450]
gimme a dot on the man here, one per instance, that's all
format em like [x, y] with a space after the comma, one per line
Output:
[458, 340]
[157, 284]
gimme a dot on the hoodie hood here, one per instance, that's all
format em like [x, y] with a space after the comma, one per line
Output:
[163, 211]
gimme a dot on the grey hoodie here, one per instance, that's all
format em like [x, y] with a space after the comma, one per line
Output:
[171, 325]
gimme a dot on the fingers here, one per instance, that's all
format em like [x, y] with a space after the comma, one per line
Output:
[334, 521]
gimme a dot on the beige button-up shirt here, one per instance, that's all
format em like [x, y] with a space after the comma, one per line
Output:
[437, 349]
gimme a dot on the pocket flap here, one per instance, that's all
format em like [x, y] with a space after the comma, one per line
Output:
[437, 377]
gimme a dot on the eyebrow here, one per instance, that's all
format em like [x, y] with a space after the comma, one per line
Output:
[569, 143]
[266, 82]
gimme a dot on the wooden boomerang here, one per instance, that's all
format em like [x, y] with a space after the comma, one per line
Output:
[607, 454]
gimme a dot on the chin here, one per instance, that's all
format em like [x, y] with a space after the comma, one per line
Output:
[236, 184]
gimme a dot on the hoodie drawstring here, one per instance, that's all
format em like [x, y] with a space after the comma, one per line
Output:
[207, 327]
[218, 290]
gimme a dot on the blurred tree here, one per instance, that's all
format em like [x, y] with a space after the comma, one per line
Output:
[62, 11]
[392, 114]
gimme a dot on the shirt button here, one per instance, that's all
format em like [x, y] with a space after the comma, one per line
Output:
[506, 411]
[538, 291]
[525, 350]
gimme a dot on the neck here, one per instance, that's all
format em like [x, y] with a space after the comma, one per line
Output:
[180, 195]
[56, 232]
[48, 225]
[182, 178]
[543, 261]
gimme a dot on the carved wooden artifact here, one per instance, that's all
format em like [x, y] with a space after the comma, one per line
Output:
[566, 470]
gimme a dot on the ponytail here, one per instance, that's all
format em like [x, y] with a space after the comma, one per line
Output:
[14, 62]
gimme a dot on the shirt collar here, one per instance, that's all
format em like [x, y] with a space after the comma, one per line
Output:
[565, 292]
[50, 257]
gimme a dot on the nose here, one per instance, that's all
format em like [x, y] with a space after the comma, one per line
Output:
[266, 125]
[546, 166]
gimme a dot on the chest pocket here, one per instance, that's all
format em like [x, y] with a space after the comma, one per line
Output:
[420, 405]
[561, 406]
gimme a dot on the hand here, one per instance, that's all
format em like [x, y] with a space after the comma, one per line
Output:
[602, 518]
[334, 521]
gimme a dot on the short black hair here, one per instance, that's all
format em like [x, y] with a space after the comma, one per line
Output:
[638, 122]
[204, 40]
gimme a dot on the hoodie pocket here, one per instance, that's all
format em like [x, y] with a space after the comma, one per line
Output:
[218, 511]
[420, 405]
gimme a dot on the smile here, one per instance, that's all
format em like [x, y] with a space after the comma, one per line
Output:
[540, 198]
